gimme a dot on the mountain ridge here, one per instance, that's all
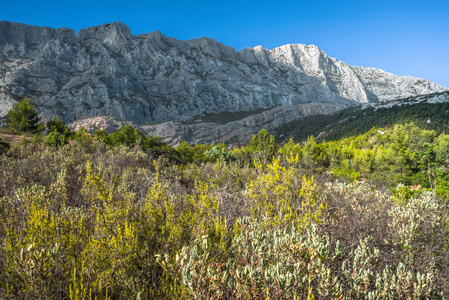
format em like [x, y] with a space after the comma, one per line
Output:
[150, 78]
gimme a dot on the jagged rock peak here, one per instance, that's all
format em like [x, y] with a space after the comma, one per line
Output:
[30, 35]
[210, 46]
[109, 33]
[148, 78]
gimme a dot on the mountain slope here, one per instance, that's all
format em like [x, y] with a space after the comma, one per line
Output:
[149, 78]
[426, 111]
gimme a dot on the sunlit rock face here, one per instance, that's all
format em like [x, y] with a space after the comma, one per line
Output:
[147, 78]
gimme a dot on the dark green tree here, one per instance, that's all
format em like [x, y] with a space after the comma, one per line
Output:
[156, 147]
[55, 124]
[185, 152]
[23, 117]
[102, 135]
[58, 133]
[127, 136]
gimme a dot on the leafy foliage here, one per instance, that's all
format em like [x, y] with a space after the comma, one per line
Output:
[57, 125]
[127, 216]
[23, 117]
[220, 152]
[58, 133]
[262, 145]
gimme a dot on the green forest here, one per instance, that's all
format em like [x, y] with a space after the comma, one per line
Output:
[126, 216]
[356, 121]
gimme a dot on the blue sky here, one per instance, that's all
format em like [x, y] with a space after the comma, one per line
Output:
[402, 37]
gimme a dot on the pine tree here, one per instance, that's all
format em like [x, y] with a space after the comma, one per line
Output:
[23, 117]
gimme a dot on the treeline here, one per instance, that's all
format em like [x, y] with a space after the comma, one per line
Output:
[355, 121]
[23, 119]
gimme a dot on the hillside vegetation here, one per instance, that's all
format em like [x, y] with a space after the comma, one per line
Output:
[123, 216]
[355, 121]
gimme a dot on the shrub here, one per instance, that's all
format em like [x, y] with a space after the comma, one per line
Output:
[55, 124]
[55, 139]
[4, 147]
[127, 136]
[91, 220]
[220, 152]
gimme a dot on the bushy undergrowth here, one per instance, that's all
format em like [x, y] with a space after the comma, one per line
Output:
[103, 220]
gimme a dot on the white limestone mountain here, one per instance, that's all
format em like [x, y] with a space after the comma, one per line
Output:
[150, 78]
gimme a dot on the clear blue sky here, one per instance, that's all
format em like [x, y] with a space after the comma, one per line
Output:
[402, 37]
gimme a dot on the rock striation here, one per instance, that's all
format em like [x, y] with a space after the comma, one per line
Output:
[237, 132]
[151, 78]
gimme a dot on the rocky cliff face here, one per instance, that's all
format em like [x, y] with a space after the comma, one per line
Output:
[148, 78]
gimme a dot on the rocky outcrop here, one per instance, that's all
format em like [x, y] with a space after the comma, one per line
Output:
[107, 124]
[149, 78]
